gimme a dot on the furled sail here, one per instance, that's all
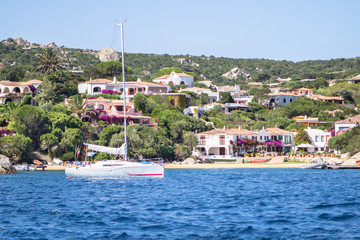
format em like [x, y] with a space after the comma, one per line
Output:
[109, 150]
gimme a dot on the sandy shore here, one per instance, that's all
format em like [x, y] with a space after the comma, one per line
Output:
[207, 165]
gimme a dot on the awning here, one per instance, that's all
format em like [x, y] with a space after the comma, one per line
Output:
[305, 145]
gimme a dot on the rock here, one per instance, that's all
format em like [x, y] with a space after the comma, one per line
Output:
[108, 54]
[189, 161]
[236, 73]
[5, 165]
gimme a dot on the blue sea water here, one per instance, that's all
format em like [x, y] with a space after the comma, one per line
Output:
[186, 204]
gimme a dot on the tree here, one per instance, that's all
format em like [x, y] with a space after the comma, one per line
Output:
[16, 147]
[78, 105]
[302, 137]
[31, 122]
[48, 62]
[225, 97]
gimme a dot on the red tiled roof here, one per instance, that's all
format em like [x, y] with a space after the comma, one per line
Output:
[354, 119]
[99, 80]
[276, 130]
[215, 131]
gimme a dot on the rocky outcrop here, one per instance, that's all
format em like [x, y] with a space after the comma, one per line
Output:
[236, 73]
[108, 54]
[5, 165]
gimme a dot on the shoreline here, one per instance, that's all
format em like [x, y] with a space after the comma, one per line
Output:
[207, 165]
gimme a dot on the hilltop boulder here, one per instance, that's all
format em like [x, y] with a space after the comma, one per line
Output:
[236, 73]
[108, 54]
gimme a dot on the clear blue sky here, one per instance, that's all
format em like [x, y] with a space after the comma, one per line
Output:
[281, 30]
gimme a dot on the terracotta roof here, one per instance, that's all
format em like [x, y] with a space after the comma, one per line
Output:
[145, 84]
[282, 93]
[241, 131]
[195, 88]
[320, 97]
[355, 78]
[168, 75]
[255, 83]
[14, 84]
[276, 130]
[304, 89]
[34, 81]
[354, 119]
[215, 131]
[99, 80]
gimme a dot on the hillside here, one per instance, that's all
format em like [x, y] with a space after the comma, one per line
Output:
[145, 66]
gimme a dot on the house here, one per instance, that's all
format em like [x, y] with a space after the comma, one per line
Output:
[195, 111]
[272, 85]
[276, 90]
[319, 139]
[338, 100]
[258, 84]
[227, 143]
[308, 121]
[175, 79]
[354, 80]
[243, 99]
[98, 86]
[233, 90]
[213, 96]
[347, 123]
[15, 91]
[280, 99]
[112, 111]
[307, 92]
[227, 107]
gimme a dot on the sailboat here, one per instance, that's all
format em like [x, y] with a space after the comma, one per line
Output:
[116, 168]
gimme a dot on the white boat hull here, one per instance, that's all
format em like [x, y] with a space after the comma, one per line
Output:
[116, 170]
[315, 166]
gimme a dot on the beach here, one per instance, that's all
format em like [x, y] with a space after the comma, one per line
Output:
[207, 165]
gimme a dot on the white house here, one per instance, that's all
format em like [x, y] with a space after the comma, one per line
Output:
[279, 99]
[319, 139]
[227, 107]
[15, 91]
[97, 86]
[213, 96]
[354, 80]
[233, 90]
[175, 79]
[347, 123]
[227, 143]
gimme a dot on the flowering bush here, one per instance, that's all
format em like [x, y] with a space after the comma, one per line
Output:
[109, 91]
[274, 143]
[332, 131]
[32, 88]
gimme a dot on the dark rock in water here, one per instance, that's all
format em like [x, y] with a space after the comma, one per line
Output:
[5, 165]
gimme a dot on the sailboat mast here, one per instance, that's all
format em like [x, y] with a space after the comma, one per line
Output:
[124, 93]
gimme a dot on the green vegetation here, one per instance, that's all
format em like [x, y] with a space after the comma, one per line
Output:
[349, 141]
[49, 125]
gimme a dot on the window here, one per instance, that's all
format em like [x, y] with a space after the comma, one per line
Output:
[222, 139]
[101, 107]
[97, 89]
[322, 138]
[284, 100]
[202, 140]
[290, 100]
[260, 137]
[316, 138]
[120, 108]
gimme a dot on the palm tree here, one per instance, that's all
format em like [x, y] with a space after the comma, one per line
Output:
[78, 105]
[48, 63]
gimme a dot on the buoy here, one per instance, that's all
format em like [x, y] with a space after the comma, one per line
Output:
[68, 177]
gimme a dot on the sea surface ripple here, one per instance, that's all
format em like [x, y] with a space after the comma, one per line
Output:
[186, 204]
